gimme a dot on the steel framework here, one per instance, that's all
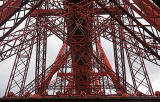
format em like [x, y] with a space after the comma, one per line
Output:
[81, 67]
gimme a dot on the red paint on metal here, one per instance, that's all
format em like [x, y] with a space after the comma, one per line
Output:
[110, 71]
[55, 66]
[9, 8]
[148, 11]
[81, 67]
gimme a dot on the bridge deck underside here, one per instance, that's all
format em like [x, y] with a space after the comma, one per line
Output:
[83, 99]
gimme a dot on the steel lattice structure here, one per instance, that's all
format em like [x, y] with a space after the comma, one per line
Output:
[81, 66]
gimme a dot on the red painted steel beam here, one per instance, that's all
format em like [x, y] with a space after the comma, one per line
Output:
[58, 12]
[54, 68]
[82, 99]
[104, 56]
[136, 21]
[155, 8]
[92, 73]
[116, 83]
[21, 20]
[8, 9]
[128, 29]
[30, 87]
[54, 12]
[41, 47]
[56, 65]
[79, 38]
[148, 11]
[20, 69]
[110, 73]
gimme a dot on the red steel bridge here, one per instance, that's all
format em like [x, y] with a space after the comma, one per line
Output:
[81, 69]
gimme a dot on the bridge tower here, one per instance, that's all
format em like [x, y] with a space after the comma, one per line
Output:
[81, 67]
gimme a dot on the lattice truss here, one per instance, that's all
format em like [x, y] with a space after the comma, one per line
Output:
[81, 66]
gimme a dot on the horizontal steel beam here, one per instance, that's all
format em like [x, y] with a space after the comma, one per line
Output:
[83, 99]
[58, 12]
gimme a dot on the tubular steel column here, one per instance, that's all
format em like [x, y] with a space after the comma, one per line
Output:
[118, 47]
[138, 71]
[40, 56]
[79, 39]
[20, 68]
